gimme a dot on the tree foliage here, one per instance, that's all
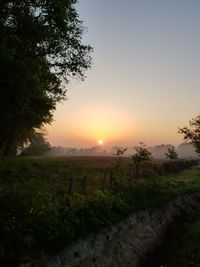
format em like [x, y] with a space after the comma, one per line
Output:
[38, 146]
[171, 154]
[117, 160]
[192, 133]
[141, 155]
[40, 50]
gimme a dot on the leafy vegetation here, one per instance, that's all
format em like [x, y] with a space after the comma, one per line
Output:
[172, 154]
[38, 213]
[141, 155]
[116, 164]
[37, 147]
[40, 48]
[192, 133]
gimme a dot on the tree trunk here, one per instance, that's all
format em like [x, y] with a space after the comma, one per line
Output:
[8, 150]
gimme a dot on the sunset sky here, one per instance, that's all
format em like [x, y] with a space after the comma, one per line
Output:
[145, 78]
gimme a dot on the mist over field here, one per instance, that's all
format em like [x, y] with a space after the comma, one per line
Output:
[184, 150]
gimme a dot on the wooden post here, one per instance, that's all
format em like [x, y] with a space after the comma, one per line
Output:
[13, 191]
[111, 180]
[145, 173]
[130, 173]
[84, 184]
[71, 185]
[103, 180]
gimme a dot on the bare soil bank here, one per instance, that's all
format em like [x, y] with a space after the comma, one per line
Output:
[126, 243]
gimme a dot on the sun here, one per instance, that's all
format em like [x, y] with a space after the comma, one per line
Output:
[100, 142]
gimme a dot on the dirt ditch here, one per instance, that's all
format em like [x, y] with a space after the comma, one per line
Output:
[127, 243]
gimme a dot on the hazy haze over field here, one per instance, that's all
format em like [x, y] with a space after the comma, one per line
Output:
[184, 150]
[144, 82]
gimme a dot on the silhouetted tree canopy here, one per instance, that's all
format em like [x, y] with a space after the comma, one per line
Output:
[171, 154]
[40, 50]
[38, 146]
[192, 133]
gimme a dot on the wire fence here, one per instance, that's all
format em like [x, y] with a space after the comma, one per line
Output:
[105, 180]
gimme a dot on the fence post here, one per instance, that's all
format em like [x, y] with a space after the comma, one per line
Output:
[130, 178]
[84, 184]
[102, 185]
[71, 185]
[111, 179]
[129, 174]
[14, 191]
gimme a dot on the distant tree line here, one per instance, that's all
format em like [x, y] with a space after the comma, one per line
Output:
[38, 145]
[184, 150]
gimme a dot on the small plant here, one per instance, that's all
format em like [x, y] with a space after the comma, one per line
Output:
[116, 164]
[192, 133]
[141, 155]
[172, 154]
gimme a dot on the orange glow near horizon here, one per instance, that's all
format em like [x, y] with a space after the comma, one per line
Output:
[86, 127]
[108, 123]
[100, 142]
[132, 95]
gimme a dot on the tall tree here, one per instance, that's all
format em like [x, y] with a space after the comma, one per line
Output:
[192, 133]
[40, 50]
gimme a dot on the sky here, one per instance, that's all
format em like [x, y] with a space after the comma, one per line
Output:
[144, 82]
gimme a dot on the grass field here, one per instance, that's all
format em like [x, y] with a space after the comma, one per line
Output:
[38, 213]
